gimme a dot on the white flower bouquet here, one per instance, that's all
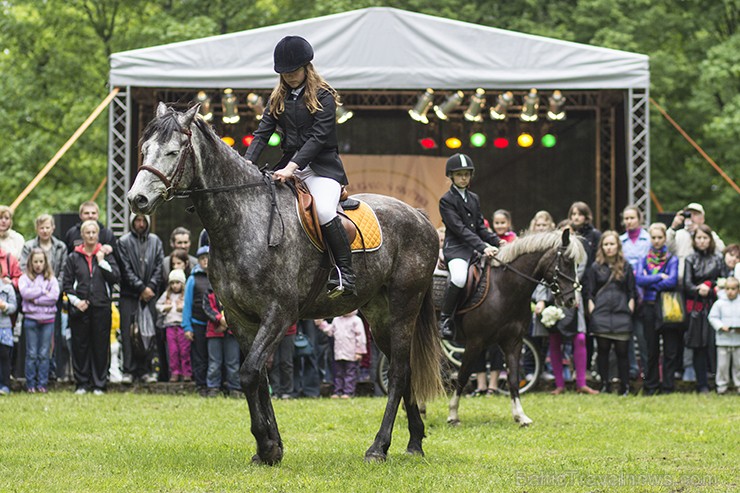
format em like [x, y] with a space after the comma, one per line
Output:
[551, 315]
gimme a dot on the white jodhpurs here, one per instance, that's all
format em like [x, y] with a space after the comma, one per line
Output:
[458, 271]
[325, 193]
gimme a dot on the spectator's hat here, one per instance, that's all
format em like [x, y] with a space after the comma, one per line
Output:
[177, 275]
[695, 206]
[202, 251]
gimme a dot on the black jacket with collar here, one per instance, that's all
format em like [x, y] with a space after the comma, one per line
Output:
[465, 231]
[701, 267]
[309, 139]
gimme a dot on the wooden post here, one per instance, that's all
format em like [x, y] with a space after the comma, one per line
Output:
[64, 148]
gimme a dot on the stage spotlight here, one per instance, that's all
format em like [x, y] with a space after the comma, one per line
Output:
[525, 140]
[530, 106]
[503, 102]
[428, 143]
[453, 101]
[228, 104]
[453, 143]
[555, 111]
[478, 139]
[500, 142]
[419, 111]
[247, 140]
[343, 114]
[477, 100]
[205, 106]
[549, 140]
[229, 140]
[256, 104]
[274, 140]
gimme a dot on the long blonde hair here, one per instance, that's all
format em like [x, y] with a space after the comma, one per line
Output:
[314, 82]
[617, 263]
[48, 273]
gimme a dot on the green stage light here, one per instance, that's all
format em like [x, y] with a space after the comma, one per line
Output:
[477, 140]
[274, 140]
[549, 140]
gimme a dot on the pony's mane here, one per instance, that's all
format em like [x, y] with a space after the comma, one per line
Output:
[538, 242]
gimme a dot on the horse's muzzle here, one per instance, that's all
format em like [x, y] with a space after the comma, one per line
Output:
[139, 202]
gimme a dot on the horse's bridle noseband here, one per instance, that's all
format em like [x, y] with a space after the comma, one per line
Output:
[170, 185]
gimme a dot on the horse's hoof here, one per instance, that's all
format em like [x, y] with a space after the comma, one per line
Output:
[273, 456]
[524, 422]
[415, 451]
[375, 456]
[453, 421]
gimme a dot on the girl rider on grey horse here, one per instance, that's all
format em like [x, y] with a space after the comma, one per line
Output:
[465, 232]
[304, 105]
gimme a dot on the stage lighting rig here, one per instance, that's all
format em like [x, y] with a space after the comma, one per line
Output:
[503, 102]
[530, 106]
[453, 101]
[555, 110]
[419, 111]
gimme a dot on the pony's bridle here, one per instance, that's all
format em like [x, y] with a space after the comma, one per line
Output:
[170, 184]
[552, 285]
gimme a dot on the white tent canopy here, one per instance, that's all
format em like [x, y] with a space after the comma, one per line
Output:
[385, 48]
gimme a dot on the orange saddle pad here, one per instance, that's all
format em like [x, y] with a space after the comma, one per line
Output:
[369, 236]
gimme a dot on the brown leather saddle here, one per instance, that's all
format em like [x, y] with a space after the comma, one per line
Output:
[310, 220]
[476, 287]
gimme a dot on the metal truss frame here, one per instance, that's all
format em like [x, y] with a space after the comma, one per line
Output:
[638, 149]
[119, 161]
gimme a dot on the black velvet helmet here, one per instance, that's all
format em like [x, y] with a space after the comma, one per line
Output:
[292, 53]
[457, 162]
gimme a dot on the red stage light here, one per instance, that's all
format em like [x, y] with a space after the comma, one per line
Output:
[501, 143]
[247, 140]
[428, 143]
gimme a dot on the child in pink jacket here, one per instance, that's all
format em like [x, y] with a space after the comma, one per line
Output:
[349, 346]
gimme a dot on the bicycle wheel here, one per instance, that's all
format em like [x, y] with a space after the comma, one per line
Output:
[530, 367]
[382, 373]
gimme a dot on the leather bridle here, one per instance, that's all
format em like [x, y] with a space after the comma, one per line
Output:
[170, 184]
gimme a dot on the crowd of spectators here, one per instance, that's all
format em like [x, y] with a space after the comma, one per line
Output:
[57, 308]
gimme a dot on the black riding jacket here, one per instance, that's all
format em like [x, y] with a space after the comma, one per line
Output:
[308, 139]
[465, 231]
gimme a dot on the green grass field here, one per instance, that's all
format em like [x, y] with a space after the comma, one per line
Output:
[140, 442]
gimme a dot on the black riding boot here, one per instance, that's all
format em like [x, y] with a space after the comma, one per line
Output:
[447, 315]
[336, 239]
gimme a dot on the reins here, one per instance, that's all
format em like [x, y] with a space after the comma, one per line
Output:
[171, 191]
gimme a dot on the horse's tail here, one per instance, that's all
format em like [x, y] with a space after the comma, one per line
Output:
[426, 354]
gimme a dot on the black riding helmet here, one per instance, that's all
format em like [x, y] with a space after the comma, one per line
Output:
[457, 162]
[292, 53]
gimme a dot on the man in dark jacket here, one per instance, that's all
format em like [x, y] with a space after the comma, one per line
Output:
[140, 257]
[89, 211]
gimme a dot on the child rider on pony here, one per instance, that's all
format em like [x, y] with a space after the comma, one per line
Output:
[465, 233]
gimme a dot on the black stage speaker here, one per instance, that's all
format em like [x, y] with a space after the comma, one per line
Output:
[64, 221]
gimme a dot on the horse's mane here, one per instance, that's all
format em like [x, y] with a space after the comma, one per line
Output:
[538, 242]
[163, 127]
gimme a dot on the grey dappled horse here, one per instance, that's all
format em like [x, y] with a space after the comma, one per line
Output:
[505, 314]
[262, 267]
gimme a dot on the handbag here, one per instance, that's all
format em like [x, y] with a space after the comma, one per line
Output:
[141, 330]
[568, 325]
[697, 333]
[671, 310]
[303, 346]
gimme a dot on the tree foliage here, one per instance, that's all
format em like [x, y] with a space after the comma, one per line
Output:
[54, 62]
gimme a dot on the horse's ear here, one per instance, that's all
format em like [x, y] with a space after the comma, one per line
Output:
[566, 237]
[187, 118]
[161, 109]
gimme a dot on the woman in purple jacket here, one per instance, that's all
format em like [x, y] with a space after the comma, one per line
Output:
[656, 272]
[40, 292]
